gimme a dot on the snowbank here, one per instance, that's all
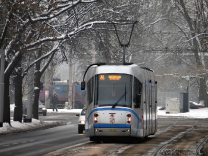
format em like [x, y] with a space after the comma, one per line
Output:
[16, 126]
[35, 124]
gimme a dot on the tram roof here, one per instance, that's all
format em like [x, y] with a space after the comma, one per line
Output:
[105, 68]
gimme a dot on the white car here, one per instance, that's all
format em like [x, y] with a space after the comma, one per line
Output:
[81, 121]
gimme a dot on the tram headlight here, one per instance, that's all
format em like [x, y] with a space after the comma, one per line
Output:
[128, 118]
[82, 122]
[95, 118]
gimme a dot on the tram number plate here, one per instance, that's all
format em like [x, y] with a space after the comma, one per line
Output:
[112, 130]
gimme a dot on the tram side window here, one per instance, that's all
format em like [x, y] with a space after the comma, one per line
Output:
[90, 89]
[137, 93]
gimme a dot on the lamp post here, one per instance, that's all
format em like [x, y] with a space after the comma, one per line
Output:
[2, 87]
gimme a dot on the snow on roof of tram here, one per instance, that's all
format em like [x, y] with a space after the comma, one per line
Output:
[102, 63]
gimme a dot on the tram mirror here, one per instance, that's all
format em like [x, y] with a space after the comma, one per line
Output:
[138, 100]
[83, 85]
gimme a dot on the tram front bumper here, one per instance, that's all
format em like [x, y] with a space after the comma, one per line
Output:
[112, 132]
[112, 129]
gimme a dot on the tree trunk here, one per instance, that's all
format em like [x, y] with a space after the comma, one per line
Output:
[18, 98]
[6, 116]
[37, 82]
[36, 97]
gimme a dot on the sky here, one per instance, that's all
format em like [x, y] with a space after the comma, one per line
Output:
[16, 126]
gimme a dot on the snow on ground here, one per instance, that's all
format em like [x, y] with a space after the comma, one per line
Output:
[16, 126]
[201, 113]
[37, 124]
[74, 111]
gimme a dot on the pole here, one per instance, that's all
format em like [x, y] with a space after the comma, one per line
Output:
[2, 87]
[189, 94]
[123, 54]
[74, 94]
[47, 90]
[70, 83]
[29, 104]
[73, 85]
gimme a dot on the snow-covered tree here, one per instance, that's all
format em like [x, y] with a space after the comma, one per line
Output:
[30, 24]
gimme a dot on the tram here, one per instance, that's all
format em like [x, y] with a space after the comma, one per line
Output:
[121, 101]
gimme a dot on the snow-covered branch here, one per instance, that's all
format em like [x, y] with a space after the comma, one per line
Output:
[83, 27]
[55, 48]
[59, 9]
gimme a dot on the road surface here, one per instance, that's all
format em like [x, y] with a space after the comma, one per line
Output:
[174, 135]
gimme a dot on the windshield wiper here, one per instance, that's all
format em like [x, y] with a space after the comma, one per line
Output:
[119, 100]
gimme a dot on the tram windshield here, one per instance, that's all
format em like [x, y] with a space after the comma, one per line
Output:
[114, 90]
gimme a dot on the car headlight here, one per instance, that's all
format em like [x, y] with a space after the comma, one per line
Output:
[82, 122]
[43, 108]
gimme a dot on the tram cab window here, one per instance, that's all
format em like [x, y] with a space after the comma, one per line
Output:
[137, 93]
[114, 89]
[90, 90]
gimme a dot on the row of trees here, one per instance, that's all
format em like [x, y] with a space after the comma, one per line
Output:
[166, 39]
[36, 30]
[169, 35]
[187, 42]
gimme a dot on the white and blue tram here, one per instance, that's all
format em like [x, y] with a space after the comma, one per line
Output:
[121, 101]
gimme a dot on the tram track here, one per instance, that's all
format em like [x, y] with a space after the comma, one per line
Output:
[107, 149]
[153, 144]
[127, 146]
[170, 152]
[189, 142]
[166, 129]
[175, 139]
[199, 147]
